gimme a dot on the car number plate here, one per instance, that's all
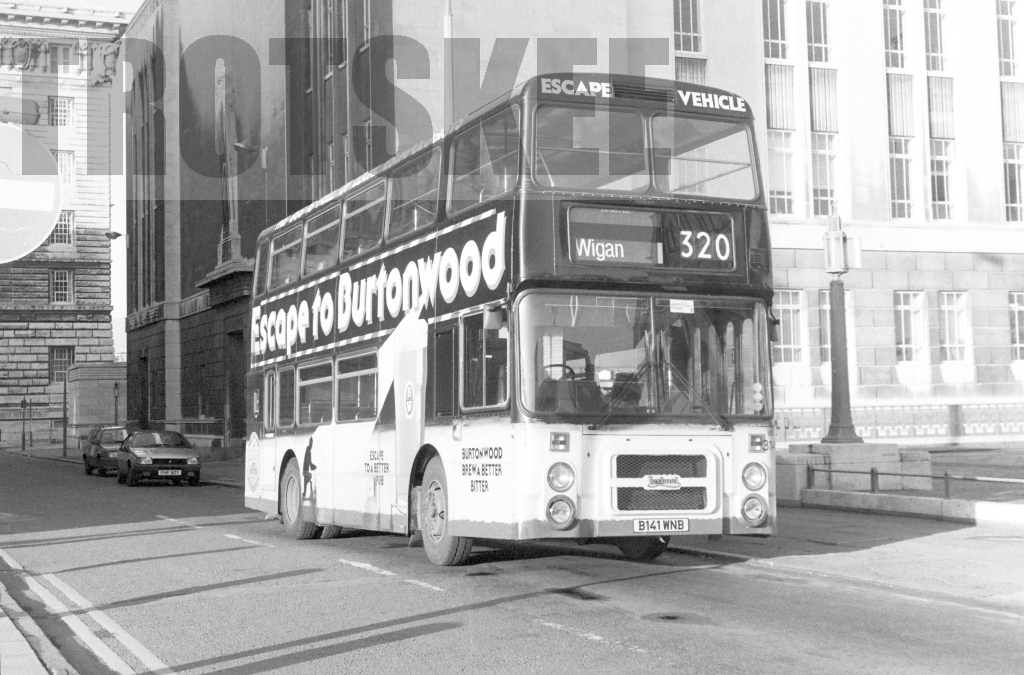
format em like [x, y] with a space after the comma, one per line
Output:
[169, 472]
[661, 525]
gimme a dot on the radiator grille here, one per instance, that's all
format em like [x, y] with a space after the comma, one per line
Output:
[638, 499]
[638, 466]
[169, 462]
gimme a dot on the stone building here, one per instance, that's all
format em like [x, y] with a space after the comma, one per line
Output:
[57, 68]
[904, 118]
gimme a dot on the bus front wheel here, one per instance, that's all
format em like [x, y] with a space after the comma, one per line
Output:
[291, 504]
[642, 548]
[441, 546]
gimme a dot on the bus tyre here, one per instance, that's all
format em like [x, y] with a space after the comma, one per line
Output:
[330, 532]
[642, 548]
[442, 547]
[291, 504]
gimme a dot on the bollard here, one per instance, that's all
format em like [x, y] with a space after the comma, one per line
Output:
[946, 481]
[810, 477]
[874, 480]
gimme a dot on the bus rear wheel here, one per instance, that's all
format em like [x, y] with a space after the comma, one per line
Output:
[441, 546]
[642, 548]
[291, 504]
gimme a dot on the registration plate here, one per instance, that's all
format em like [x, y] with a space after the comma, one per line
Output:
[661, 525]
[169, 472]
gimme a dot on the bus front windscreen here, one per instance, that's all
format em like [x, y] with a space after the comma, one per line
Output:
[594, 356]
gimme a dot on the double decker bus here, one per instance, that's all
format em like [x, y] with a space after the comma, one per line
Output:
[549, 322]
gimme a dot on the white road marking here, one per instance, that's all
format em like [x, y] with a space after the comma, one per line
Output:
[11, 562]
[593, 637]
[180, 522]
[367, 566]
[248, 541]
[98, 646]
[120, 634]
[423, 584]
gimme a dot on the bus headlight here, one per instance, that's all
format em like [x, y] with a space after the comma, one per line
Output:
[754, 476]
[561, 513]
[755, 511]
[561, 477]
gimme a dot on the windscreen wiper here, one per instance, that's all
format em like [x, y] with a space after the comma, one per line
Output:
[695, 395]
[617, 396]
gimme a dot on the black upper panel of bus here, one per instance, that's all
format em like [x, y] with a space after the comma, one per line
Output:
[638, 90]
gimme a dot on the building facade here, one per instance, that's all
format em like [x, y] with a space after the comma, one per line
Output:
[57, 69]
[902, 119]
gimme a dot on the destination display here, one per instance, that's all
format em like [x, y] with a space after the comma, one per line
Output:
[690, 240]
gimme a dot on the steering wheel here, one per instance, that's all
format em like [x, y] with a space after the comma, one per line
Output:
[570, 373]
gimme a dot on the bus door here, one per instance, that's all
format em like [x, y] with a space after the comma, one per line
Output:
[268, 447]
[403, 357]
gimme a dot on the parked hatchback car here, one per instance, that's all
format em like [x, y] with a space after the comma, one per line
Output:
[157, 455]
[99, 453]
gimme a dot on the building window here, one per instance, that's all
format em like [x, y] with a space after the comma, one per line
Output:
[933, 45]
[368, 131]
[330, 168]
[892, 13]
[825, 325]
[773, 13]
[687, 24]
[60, 59]
[909, 307]
[954, 327]
[789, 348]
[823, 173]
[64, 230]
[780, 171]
[1007, 29]
[61, 358]
[941, 160]
[899, 177]
[818, 50]
[1013, 175]
[61, 111]
[342, 24]
[65, 166]
[62, 286]
[1017, 326]
[690, 70]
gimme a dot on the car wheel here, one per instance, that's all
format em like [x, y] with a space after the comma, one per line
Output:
[291, 504]
[330, 532]
[176, 481]
[193, 480]
[640, 549]
[133, 478]
[121, 477]
[442, 547]
[88, 467]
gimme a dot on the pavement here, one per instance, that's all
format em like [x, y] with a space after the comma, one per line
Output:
[931, 558]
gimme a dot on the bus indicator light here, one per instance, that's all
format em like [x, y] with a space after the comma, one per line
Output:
[561, 477]
[559, 441]
[759, 443]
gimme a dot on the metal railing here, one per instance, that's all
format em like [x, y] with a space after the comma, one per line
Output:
[946, 478]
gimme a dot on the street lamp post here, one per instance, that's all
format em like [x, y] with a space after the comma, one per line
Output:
[24, 404]
[64, 415]
[841, 429]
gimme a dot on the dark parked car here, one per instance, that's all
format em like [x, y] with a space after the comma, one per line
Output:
[100, 451]
[158, 455]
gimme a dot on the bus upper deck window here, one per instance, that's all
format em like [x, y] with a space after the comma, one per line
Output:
[590, 149]
[323, 237]
[284, 264]
[364, 221]
[710, 158]
[262, 265]
[485, 162]
[414, 194]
